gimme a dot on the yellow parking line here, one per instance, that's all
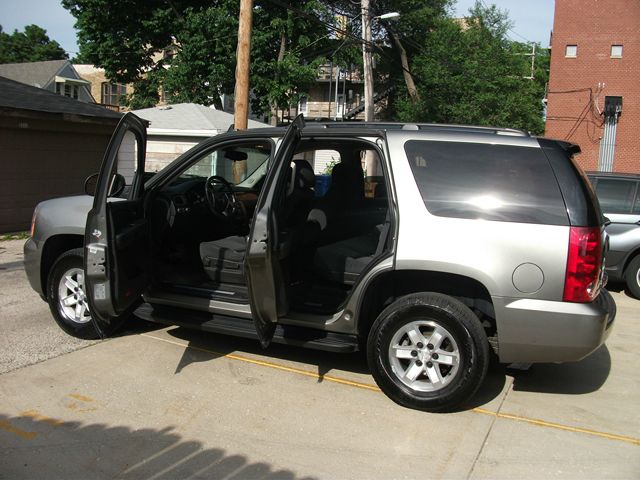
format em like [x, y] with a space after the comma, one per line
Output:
[366, 386]
[7, 427]
[559, 426]
[276, 366]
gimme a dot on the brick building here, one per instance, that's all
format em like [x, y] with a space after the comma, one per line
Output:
[594, 83]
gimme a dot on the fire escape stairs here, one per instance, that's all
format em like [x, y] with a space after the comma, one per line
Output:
[351, 114]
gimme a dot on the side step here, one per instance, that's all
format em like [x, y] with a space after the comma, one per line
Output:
[241, 327]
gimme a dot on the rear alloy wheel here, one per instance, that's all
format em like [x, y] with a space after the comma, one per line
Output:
[632, 276]
[67, 298]
[428, 351]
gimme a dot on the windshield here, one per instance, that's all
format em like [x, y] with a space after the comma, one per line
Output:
[243, 165]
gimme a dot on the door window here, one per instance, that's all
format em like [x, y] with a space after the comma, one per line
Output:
[616, 195]
[504, 183]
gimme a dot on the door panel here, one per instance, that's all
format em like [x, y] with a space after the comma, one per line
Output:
[267, 292]
[117, 253]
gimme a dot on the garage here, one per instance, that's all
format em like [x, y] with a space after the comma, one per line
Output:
[49, 145]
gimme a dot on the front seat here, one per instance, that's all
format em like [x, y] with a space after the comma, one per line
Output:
[223, 259]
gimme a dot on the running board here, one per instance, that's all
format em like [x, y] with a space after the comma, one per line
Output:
[241, 327]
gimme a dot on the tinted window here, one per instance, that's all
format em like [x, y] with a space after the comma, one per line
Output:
[615, 196]
[483, 181]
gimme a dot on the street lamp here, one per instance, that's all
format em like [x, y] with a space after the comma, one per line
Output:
[366, 56]
[388, 16]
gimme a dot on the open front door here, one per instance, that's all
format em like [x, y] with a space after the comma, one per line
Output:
[266, 285]
[116, 242]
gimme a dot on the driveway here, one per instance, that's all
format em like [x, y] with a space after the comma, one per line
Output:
[161, 402]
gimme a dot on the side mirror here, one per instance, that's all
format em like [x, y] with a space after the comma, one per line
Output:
[90, 184]
[118, 183]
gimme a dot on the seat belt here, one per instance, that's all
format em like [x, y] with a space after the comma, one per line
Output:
[384, 233]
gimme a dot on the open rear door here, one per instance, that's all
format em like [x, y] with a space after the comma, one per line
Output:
[116, 242]
[267, 292]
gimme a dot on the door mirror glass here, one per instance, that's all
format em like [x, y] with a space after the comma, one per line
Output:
[116, 186]
[90, 184]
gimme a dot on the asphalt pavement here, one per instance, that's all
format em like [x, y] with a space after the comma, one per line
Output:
[28, 333]
[160, 402]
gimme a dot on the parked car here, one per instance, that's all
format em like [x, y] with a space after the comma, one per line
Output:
[473, 239]
[619, 196]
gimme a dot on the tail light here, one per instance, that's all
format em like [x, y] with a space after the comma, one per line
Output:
[584, 263]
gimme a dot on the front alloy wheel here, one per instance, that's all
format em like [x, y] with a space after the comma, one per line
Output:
[72, 301]
[67, 297]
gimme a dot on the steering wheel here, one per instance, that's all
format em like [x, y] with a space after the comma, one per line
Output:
[222, 199]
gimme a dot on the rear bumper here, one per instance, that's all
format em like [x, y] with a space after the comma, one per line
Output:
[534, 331]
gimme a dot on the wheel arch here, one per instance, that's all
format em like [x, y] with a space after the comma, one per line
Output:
[390, 285]
[55, 246]
[633, 254]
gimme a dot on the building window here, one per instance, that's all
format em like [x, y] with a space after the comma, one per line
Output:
[616, 51]
[571, 51]
[113, 93]
[302, 105]
[67, 90]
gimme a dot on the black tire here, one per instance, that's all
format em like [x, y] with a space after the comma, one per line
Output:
[69, 261]
[632, 276]
[465, 336]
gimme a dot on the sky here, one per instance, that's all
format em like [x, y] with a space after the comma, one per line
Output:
[532, 19]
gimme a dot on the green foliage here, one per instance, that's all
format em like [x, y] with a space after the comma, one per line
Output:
[472, 74]
[285, 53]
[32, 45]
[14, 236]
[465, 72]
[204, 66]
[202, 35]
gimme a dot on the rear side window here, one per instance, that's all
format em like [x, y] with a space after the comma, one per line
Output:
[616, 196]
[483, 181]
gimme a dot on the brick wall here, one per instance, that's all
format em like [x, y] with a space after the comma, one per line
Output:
[96, 77]
[578, 86]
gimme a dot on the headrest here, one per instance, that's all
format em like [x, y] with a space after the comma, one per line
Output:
[305, 178]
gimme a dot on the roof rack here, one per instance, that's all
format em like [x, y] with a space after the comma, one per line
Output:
[422, 126]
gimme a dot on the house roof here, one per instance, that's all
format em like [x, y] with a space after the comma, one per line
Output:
[18, 95]
[37, 74]
[189, 117]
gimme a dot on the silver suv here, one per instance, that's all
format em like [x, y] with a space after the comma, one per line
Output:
[619, 196]
[433, 246]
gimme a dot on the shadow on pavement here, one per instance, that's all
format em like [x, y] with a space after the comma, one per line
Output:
[41, 447]
[134, 326]
[220, 345]
[575, 378]
[204, 347]
[620, 287]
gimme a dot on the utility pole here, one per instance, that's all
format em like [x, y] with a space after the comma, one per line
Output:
[241, 94]
[243, 59]
[366, 58]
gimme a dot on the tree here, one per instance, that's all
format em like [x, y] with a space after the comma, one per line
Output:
[200, 36]
[470, 73]
[32, 45]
